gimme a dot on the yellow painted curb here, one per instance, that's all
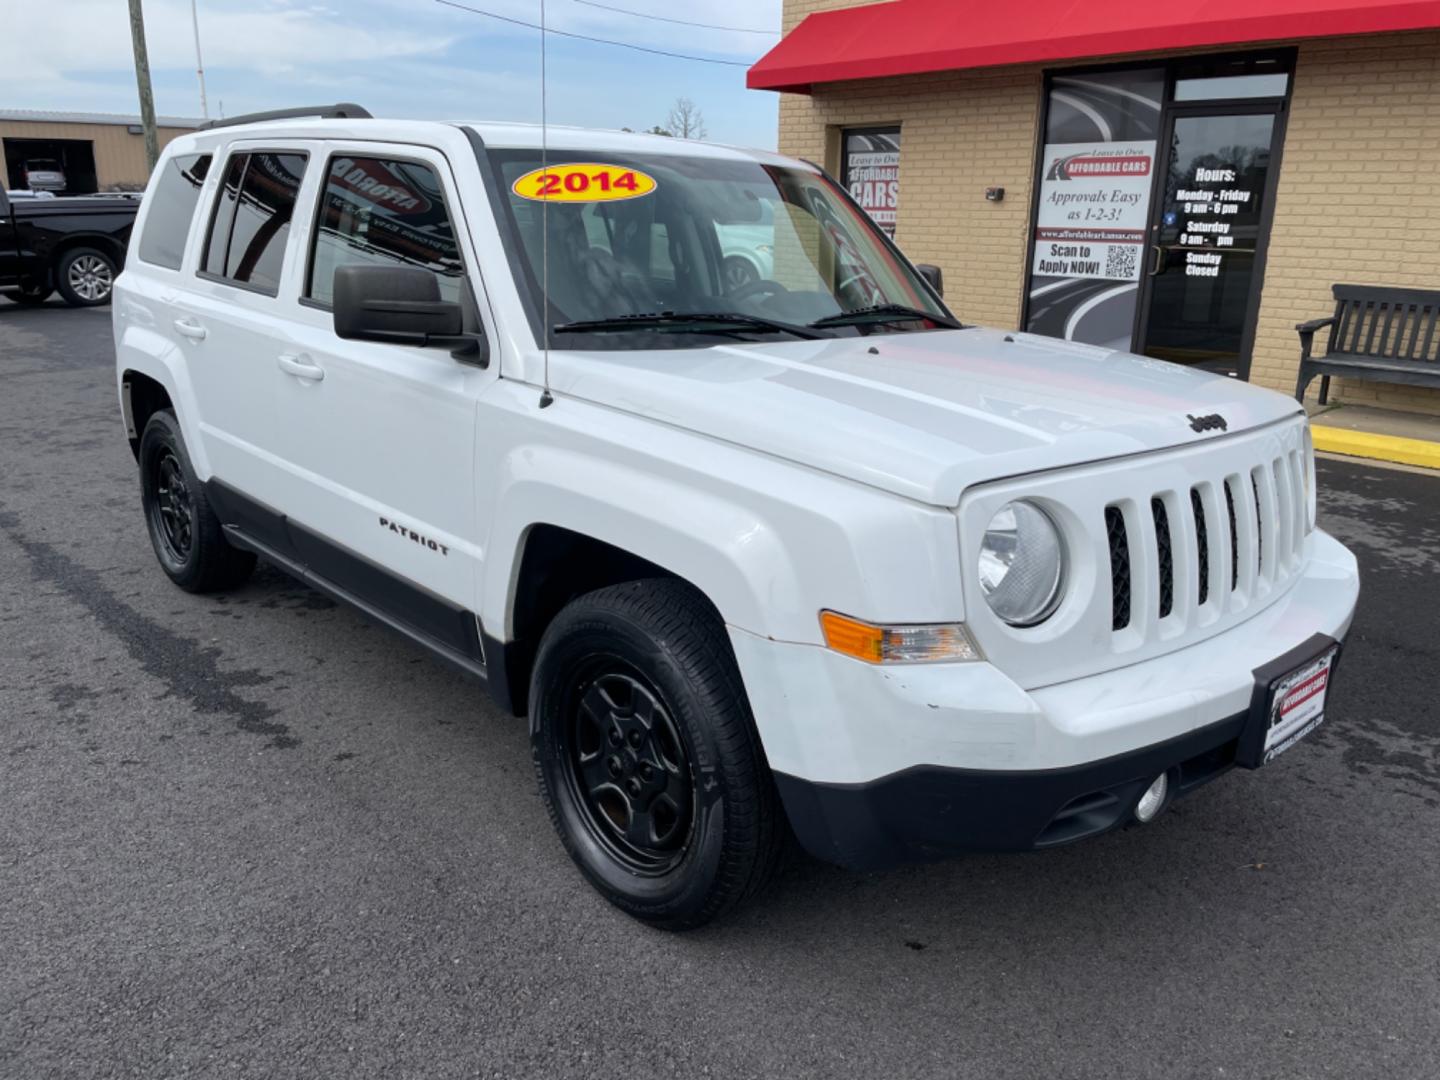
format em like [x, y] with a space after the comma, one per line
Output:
[1363, 444]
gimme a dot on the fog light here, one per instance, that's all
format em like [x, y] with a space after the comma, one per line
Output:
[1153, 799]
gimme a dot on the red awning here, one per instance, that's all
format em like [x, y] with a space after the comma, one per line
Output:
[907, 37]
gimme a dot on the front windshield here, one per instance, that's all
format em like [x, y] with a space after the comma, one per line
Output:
[709, 235]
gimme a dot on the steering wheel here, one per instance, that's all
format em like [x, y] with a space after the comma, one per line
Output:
[761, 286]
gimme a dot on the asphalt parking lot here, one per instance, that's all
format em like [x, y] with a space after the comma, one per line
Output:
[255, 835]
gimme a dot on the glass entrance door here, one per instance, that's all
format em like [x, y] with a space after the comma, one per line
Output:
[1199, 294]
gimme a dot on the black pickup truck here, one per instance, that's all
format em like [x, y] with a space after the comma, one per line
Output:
[73, 244]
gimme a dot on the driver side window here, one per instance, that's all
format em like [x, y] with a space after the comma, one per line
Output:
[378, 212]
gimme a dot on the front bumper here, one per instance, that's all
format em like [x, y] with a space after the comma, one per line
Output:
[881, 764]
[929, 812]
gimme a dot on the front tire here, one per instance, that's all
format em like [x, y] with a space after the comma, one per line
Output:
[647, 756]
[188, 539]
[86, 277]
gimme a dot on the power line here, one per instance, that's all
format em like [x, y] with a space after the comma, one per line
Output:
[598, 41]
[681, 22]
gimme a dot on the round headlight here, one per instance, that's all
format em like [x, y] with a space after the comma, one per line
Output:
[1022, 564]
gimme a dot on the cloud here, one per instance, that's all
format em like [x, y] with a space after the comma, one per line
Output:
[95, 36]
[397, 57]
[657, 33]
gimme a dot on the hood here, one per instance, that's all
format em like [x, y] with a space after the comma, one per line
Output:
[923, 415]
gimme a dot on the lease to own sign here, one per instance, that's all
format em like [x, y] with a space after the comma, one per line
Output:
[1094, 209]
[873, 177]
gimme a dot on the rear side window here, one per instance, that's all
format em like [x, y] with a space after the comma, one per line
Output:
[379, 212]
[172, 208]
[251, 222]
[223, 219]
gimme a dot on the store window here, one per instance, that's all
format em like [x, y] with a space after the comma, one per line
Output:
[1202, 278]
[1263, 75]
[1153, 199]
[1232, 86]
[1097, 172]
[870, 171]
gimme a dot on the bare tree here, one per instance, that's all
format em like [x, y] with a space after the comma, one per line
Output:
[686, 120]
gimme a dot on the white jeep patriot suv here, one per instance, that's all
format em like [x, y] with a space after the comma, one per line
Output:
[798, 553]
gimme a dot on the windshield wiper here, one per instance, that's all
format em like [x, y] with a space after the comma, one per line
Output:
[687, 322]
[882, 313]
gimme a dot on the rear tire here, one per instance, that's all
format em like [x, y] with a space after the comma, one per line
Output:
[647, 755]
[86, 277]
[188, 539]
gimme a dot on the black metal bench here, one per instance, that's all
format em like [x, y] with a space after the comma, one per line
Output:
[1379, 333]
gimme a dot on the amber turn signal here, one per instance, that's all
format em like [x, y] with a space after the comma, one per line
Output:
[924, 643]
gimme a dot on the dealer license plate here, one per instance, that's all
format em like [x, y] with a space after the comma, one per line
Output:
[1297, 704]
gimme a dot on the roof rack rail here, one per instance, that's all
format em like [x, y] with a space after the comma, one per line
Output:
[342, 110]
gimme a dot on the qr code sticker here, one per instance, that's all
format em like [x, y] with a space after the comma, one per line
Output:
[1120, 261]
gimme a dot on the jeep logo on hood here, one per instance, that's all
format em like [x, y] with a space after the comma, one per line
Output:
[1207, 423]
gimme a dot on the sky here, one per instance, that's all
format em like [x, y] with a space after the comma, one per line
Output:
[401, 58]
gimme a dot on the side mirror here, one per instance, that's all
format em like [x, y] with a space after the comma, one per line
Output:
[401, 305]
[933, 277]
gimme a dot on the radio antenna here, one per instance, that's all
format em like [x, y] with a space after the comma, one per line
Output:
[199, 63]
[546, 399]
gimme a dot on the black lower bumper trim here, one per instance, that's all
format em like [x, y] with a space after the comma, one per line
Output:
[928, 812]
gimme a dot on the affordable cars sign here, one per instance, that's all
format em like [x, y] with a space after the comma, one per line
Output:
[1094, 201]
[871, 173]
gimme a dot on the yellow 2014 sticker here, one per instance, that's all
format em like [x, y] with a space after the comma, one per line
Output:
[583, 182]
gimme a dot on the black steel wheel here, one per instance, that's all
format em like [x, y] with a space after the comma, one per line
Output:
[188, 539]
[172, 513]
[647, 755]
[628, 767]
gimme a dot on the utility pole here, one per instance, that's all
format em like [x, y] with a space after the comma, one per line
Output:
[199, 63]
[142, 80]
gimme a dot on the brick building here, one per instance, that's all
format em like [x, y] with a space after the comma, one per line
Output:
[1187, 182]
